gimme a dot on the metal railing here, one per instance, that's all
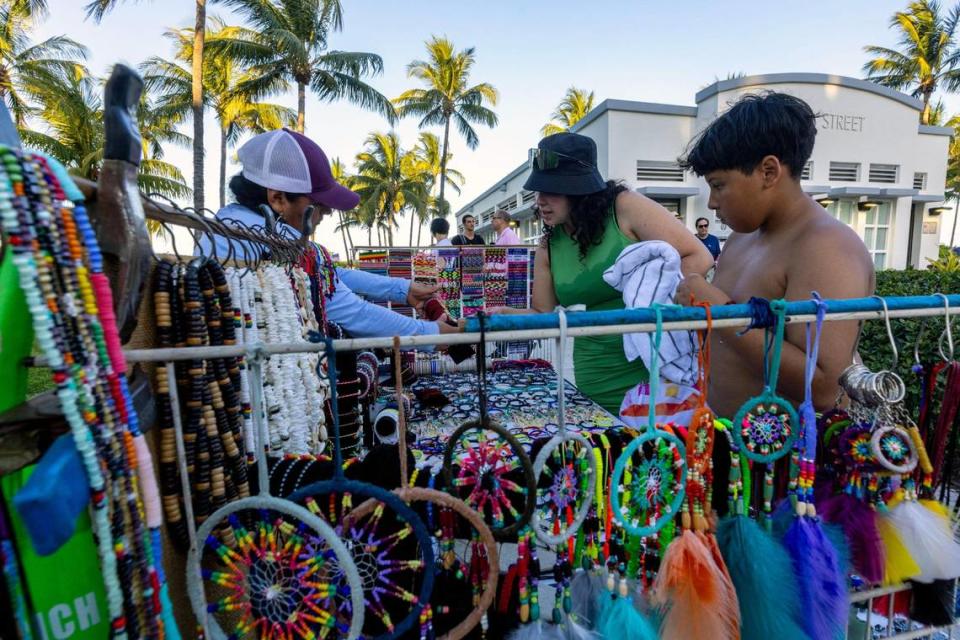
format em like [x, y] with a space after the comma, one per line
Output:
[543, 326]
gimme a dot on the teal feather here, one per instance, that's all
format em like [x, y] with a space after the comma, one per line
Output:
[620, 619]
[763, 575]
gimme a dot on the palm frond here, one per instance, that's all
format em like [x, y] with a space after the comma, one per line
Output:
[334, 85]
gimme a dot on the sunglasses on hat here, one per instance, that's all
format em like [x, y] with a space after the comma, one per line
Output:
[545, 159]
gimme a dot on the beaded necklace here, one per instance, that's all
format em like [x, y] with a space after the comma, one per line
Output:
[111, 399]
[49, 259]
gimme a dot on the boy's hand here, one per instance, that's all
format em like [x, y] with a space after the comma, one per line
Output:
[702, 291]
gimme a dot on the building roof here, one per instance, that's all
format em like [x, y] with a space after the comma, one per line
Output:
[807, 78]
[720, 86]
[633, 106]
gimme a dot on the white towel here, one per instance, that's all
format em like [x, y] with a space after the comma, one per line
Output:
[648, 273]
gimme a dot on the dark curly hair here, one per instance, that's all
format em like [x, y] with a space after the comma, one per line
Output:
[589, 216]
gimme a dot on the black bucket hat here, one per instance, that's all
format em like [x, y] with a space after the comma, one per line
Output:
[565, 163]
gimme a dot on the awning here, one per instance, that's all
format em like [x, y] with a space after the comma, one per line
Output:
[654, 191]
[816, 189]
[929, 197]
[899, 193]
[852, 192]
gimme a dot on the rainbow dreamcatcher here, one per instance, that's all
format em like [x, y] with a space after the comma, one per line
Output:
[765, 427]
[565, 492]
[486, 467]
[389, 545]
[281, 573]
[477, 572]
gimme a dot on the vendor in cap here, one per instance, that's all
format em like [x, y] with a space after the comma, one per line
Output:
[587, 223]
[286, 185]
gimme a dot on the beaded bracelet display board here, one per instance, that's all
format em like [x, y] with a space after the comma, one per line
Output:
[481, 569]
[390, 545]
[61, 274]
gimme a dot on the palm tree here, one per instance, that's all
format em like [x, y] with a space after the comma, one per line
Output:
[576, 103]
[447, 97]
[99, 8]
[340, 174]
[927, 58]
[236, 113]
[72, 110]
[388, 180]
[27, 68]
[428, 156]
[288, 42]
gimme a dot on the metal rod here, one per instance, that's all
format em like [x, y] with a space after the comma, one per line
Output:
[362, 344]
[723, 312]
[261, 437]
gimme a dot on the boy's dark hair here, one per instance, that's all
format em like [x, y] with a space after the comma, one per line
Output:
[250, 194]
[439, 226]
[758, 125]
[701, 218]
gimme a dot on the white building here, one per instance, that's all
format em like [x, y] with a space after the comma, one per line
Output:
[873, 165]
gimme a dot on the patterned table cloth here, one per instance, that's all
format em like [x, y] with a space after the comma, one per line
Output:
[522, 397]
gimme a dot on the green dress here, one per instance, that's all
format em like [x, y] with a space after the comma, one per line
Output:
[601, 368]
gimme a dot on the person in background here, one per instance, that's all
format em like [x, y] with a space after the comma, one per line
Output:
[284, 176]
[710, 241]
[501, 226]
[468, 236]
[439, 228]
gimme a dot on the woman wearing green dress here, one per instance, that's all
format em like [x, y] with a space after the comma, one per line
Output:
[587, 223]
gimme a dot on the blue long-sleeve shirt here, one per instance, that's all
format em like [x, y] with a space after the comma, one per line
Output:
[359, 317]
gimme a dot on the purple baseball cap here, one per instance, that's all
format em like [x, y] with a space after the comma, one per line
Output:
[288, 161]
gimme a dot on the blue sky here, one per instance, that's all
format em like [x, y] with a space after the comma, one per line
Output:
[531, 50]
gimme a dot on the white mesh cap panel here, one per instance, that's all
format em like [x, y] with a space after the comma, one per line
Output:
[274, 160]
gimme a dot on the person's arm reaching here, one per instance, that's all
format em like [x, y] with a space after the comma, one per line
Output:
[386, 289]
[365, 320]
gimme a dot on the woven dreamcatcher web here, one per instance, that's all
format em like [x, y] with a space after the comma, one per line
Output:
[390, 544]
[649, 477]
[766, 426]
[481, 569]
[565, 492]
[287, 575]
[486, 467]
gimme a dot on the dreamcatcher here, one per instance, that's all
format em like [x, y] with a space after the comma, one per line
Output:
[649, 477]
[480, 571]
[287, 575]
[565, 493]
[485, 466]
[765, 426]
[389, 544]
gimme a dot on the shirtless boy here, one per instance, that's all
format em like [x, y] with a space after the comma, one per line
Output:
[784, 245]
